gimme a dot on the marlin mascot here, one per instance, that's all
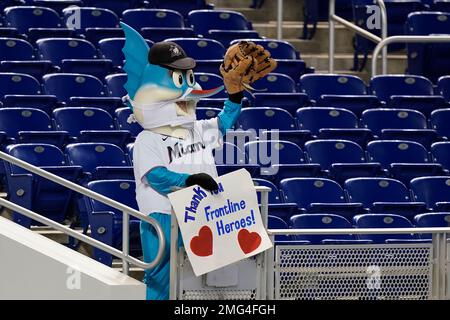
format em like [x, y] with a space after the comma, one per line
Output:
[175, 149]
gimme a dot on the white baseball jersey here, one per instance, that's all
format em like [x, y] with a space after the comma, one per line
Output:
[190, 155]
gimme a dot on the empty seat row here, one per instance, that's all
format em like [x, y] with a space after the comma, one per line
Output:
[379, 221]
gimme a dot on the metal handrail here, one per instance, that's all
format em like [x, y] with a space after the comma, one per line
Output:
[280, 20]
[403, 39]
[124, 254]
[332, 18]
[358, 231]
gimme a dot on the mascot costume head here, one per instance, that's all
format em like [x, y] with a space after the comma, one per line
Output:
[161, 86]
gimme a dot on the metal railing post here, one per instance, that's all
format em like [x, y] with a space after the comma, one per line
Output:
[331, 44]
[384, 33]
[280, 19]
[125, 241]
[173, 257]
[403, 39]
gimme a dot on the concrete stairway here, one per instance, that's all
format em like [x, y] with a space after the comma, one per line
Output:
[315, 51]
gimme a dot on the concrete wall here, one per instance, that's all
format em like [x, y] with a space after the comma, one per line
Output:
[34, 267]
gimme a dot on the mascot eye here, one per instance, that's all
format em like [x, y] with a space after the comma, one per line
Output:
[190, 78]
[177, 78]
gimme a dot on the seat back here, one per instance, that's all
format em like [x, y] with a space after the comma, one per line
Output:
[122, 116]
[370, 190]
[439, 121]
[274, 194]
[148, 18]
[57, 49]
[395, 151]
[379, 119]
[275, 83]
[15, 49]
[74, 120]
[18, 83]
[24, 17]
[431, 190]
[272, 152]
[440, 151]
[314, 119]
[315, 85]
[265, 118]
[327, 152]
[320, 221]
[380, 220]
[93, 155]
[111, 48]
[39, 155]
[385, 86]
[115, 83]
[13, 120]
[204, 20]
[210, 80]
[444, 87]
[200, 48]
[305, 191]
[66, 85]
[432, 220]
[90, 17]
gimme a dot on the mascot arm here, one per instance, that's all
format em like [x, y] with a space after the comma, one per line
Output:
[230, 113]
[165, 181]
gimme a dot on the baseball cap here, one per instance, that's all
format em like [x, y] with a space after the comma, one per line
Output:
[170, 55]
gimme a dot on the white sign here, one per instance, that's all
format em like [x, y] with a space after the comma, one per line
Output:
[221, 227]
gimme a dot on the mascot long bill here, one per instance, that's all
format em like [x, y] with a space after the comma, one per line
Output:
[175, 150]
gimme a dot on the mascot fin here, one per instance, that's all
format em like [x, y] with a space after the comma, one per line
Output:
[136, 58]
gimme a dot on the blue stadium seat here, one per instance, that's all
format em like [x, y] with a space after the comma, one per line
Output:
[383, 195]
[210, 80]
[74, 55]
[202, 21]
[18, 84]
[117, 6]
[381, 220]
[316, 118]
[428, 59]
[145, 18]
[439, 121]
[122, 116]
[28, 125]
[341, 158]
[265, 118]
[34, 192]
[57, 5]
[323, 221]
[274, 194]
[90, 17]
[318, 195]
[299, 137]
[434, 191]
[405, 160]
[440, 152]
[106, 222]
[111, 48]
[276, 83]
[25, 17]
[89, 125]
[101, 161]
[182, 6]
[444, 87]
[432, 220]
[115, 83]
[340, 91]
[379, 119]
[207, 113]
[208, 53]
[225, 37]
[94, 35]
[406, 91]
[289, 61]
[278, 223]
[423, 136]
[17, 55]
[79, 90]
[157, 34]
[229, 154]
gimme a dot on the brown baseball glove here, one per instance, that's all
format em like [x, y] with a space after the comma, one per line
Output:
[244, 63]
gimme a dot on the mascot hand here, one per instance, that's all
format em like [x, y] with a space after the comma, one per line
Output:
[244, 63]
[203, 180]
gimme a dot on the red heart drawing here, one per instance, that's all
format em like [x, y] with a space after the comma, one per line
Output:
[249, 241]
[202, 245]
